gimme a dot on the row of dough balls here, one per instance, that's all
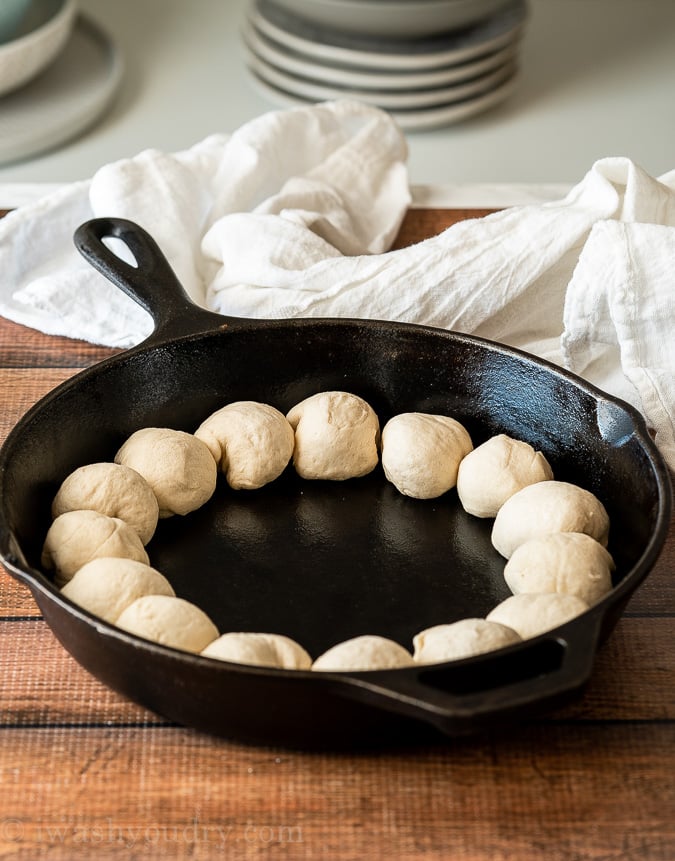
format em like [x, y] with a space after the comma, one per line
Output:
[330, 435]
[140, 600]
[554, 532]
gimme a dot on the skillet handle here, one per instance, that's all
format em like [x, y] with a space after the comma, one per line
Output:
[463, 696]
[152, 283]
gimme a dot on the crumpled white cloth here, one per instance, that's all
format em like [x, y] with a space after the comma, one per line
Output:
[292, 215]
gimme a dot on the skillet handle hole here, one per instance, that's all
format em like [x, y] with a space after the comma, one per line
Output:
[121, 250]
[542, 658]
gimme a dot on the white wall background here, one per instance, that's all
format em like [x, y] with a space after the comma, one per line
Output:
[597, 79]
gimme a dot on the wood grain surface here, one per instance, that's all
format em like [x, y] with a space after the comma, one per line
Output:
[84, 773]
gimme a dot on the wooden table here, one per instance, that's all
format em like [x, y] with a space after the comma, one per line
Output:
[84, 773]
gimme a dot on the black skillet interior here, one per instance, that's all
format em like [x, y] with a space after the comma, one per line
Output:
[324, 561]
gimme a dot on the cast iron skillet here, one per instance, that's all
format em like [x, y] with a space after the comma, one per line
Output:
[324, 561]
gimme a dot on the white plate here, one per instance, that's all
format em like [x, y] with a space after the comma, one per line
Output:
[294, 63]
[420, 120]
[65, 99]
[399, 101]
[381, 54]
[393, 18]
[39, 38]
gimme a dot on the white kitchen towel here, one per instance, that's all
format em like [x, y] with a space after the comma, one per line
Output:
[292, 215]
[334, 172]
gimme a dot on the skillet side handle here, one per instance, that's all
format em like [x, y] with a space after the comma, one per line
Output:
[152, 283]
[465, 696]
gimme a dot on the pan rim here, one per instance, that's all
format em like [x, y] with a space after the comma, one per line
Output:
[108, 629]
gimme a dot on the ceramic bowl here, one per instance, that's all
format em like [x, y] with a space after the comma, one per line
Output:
[41, 35]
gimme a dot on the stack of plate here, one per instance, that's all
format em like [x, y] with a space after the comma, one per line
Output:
[452, 64]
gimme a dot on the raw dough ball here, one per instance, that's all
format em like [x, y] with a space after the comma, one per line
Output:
[497, 469]
[178, 467]
[461, 640]
[568, 562]
[368, 652]
[112, 489]
[531, 614]
[252, 443]
[421, 453]
[170, 621]
[336, 436]
[264, 650]
[107, 586]
[545, 507]
[77, 537]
